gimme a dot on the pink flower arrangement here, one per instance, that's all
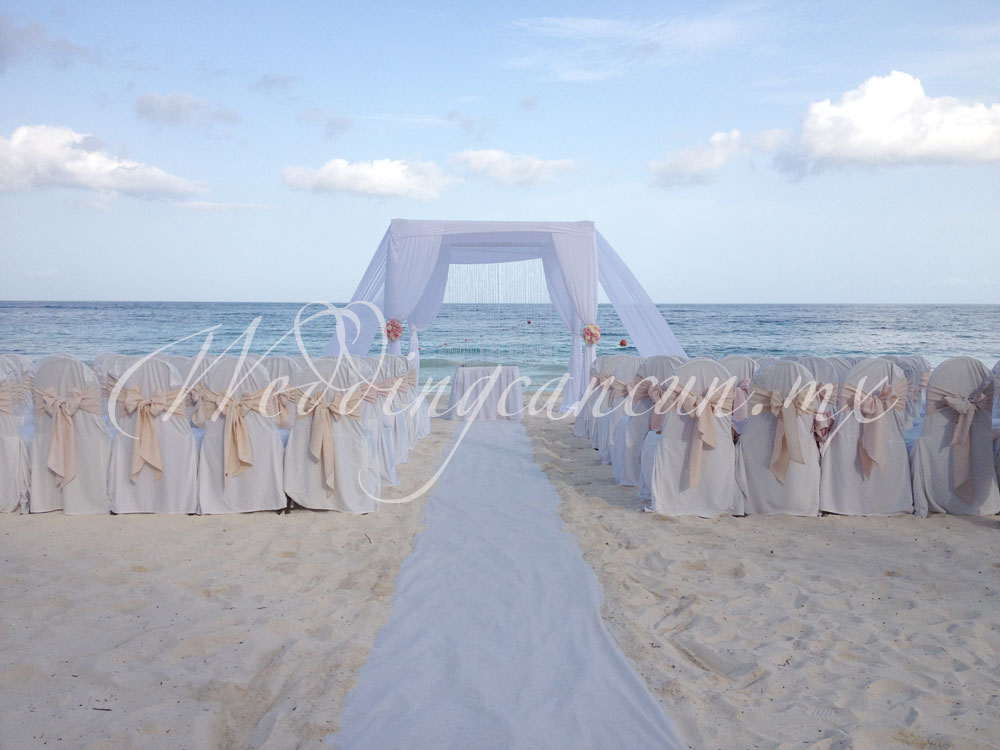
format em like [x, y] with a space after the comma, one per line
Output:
[393, 329]
[591, 334]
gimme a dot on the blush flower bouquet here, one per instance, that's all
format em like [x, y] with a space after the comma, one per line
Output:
[591, 334]
[393, 329]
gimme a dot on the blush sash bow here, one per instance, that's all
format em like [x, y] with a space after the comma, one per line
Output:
[961, 440]
[237, 452]
[703, 410]
[325, 409]
[62, 443]
[146, 449]
[786, 447]
[871, 410]
[658, 393]
[617, 389]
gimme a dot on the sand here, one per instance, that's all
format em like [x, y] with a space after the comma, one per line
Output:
[782, 632]
[195, 632]
[248, 631]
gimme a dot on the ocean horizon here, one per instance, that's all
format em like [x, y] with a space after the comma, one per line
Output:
[528, 335]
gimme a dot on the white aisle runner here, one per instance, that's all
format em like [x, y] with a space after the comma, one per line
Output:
[496, 638]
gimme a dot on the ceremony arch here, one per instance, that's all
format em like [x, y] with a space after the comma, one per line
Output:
[407, 276]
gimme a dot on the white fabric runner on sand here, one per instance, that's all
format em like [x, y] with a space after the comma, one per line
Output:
[496, 638]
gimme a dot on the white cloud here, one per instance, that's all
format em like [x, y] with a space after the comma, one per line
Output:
[699, 164]
[177, 109]
[18, 42]
[890, 120]
[382, 177]
[594, 49]
[39, 156]
[887, 120]
[511, 169]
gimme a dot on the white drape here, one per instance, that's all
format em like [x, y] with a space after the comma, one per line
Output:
[407, 277]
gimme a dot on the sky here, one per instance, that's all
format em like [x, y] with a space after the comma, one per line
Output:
[730, 152]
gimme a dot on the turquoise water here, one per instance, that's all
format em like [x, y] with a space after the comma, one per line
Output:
[466, 333]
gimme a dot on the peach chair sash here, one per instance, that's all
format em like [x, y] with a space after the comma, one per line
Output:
[703, 410]
[961, 441]
[237, 451]
[62, 408]
[785, 408]
[617, 389]
[325, 409]
[146, 448]
[659, 394]
[872, 409]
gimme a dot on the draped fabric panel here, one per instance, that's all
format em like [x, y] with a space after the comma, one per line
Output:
[406, 279]
[646, 327]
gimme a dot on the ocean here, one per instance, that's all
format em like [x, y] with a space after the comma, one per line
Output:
[492, 333]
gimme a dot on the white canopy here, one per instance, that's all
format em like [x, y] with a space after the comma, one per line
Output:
[406, 279]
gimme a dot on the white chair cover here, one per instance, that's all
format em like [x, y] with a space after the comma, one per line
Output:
[72, 447]
[777, 460]
[331, 462]
[864, 466]
[166, 481]
[743, 369]
[373, 416]
[395, 371]
[281, 372]
[996, 389]
[952, 460]
[418, 411]
[842, 366]
[630, 432]
[15, 471]
[622, 368]
[765, 361]
[677, 487]
[254, 453]
[584, 422]
[909, 368]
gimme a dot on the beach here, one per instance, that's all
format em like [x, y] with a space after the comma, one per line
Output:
[249, 630]
[786, 632]
[230, 631]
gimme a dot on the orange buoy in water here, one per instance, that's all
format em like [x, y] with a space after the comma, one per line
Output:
[529, 321]
[623, 342]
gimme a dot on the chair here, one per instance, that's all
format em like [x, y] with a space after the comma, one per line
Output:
[694, 460]
[281, 372]
[375, 419]
[631, 430]
[240, 462]
[913, 400]
[777, 459]
[864, 469]
[764, 361]
[331, 461]
[742, 368]
[72, 447]
[952, 461]
[583, 424]
[15, 466]
[996, 389]
[154, 456]
[395, 382]
[618, 378]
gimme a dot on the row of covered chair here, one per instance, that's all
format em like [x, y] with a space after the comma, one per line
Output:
[809, 434]
[171, 434]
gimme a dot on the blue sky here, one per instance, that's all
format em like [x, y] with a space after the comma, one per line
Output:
[747, 152]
